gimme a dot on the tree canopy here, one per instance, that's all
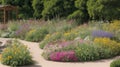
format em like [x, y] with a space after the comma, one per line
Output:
[80, 10]
[104, 9]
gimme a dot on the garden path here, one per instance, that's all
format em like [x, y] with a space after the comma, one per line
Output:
[40, 62]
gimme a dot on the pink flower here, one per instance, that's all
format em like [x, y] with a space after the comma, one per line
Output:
[63, 56]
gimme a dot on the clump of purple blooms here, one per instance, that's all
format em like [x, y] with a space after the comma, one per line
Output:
[24, 28]
[101, 33]
[63, 56]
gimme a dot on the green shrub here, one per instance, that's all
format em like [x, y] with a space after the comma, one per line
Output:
[84, 51]
[65, 27]
[36, 34]
[115, 63]
[88, 52]
[13, 26]
[70, 35]
[38, 7]
[16, 54]
[107, 43]
[50, 38]
[57, 8]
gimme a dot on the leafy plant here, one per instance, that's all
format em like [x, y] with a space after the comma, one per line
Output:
[36, 34]
[107, 43]
[16, 55]
[100, 33]
[88, 52]
[13, 26]
[115, 63]
[50, 38]
[21, 32]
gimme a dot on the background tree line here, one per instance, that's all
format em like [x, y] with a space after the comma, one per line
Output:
[80, 10]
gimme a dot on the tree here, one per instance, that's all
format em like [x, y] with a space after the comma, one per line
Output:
[57, 8]
[25, 8]
[0, 1]
[104, 9]
[38, 7]
[81, 14]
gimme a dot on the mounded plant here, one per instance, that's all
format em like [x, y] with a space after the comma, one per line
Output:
[16, 54]
[81, 51]
[107, 43]
[50, 38]
[115, 63]
[90, 52]
[36, 34]
[63, 56]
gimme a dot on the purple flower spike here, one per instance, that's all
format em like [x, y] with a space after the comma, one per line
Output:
[101, 33]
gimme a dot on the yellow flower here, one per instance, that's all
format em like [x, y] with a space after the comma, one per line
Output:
[47, 36]
[32, 31]
[115, 25]
[108, 43]
[9, 57]
[67, 34]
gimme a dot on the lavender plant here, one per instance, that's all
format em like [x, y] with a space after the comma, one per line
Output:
[101, 33]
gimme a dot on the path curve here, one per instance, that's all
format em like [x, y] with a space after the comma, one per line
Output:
[40, 62]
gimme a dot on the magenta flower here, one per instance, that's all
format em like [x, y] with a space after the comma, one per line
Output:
[63, 56]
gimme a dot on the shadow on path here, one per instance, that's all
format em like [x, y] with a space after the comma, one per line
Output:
[32, 66]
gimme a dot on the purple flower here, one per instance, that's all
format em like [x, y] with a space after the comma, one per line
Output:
[63, 56]
[101, 33]
[24, 28]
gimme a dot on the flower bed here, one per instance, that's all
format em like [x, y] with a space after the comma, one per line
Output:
[16, 54]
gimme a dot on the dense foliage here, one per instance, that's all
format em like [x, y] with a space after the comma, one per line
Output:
[78, 50]
[80, 10]
[104, 9]
[38, 7]
[16, 54]
[81, 14]
[57, 8]
[36, 34]
[83, 43]
[115, 63]
[25, 7]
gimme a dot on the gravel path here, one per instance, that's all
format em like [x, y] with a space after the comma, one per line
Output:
[40, 62]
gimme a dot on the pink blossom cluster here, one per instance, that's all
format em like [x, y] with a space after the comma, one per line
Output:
[63, 56]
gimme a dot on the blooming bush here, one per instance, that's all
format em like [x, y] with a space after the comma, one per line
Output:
[63, 56]
[101, 33]
[107, 43]
[70, 35]
[114, 26]
[36, 34]
[58, 47]
[16, 55]
[83, 51]
[90, 52]
[21, 32]
[51, 38]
